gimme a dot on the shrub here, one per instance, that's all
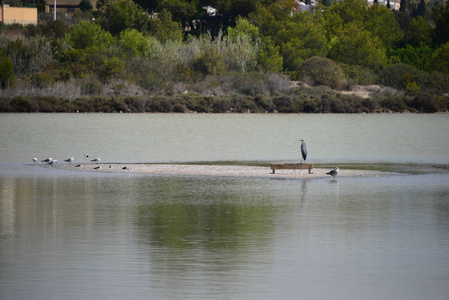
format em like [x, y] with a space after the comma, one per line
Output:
[93, 87]
[394, 75]
[428, 103]
[52, 29]
[208, 62]
[135, 104]
[264, 103]
[245, 83]
[283, 104]
[323, 71]
[6, 70]
[277, 84]
[243, 103]
[197, 103]
[41, 81]
[221, 105]
[22, 104]
[29, 56]
[111, 67]
[396, 104]
[160, 104]
[358, 74]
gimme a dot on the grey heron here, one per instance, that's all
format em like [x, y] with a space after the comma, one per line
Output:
[333, 173]
[303, 150]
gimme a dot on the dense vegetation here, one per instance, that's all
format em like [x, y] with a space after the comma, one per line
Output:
[247, 56]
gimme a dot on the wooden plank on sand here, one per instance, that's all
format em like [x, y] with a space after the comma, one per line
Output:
[275, 167]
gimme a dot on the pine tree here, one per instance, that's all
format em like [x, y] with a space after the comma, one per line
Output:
[85, 5]
[421, 10]
[403, 7]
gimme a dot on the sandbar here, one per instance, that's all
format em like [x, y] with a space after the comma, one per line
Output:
[213, 170]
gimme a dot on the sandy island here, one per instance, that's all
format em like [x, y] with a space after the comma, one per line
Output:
[213, 170]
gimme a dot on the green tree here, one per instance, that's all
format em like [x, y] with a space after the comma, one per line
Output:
[301, 37]
[420, 33]
[164, 29]
[233, 8]
[122, 15]
[182, 11]
[350, 10]
[421, 9]
[418, 57]
[269, 56]
[85, 5]
[133, 43]
[440, 16]
[244, 28]
[381, 22]
[110, 67]
[87, 34]
[403, 6]
[271, 19]
[356, 46]
[440, 59]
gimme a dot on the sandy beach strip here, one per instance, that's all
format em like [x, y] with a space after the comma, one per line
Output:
[213, 170]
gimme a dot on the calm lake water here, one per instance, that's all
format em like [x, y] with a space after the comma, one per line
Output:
[83, 235]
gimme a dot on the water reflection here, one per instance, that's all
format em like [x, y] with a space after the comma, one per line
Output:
[214, 217]
[115, 236]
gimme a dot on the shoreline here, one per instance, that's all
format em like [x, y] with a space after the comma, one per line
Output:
[213, 170]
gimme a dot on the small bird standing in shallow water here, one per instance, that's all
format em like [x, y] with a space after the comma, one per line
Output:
[70, 159]
[333, 173]
[95, 159]
[47, 160]
[35, 160]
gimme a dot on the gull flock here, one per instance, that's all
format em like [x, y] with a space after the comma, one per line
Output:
[52, 161]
